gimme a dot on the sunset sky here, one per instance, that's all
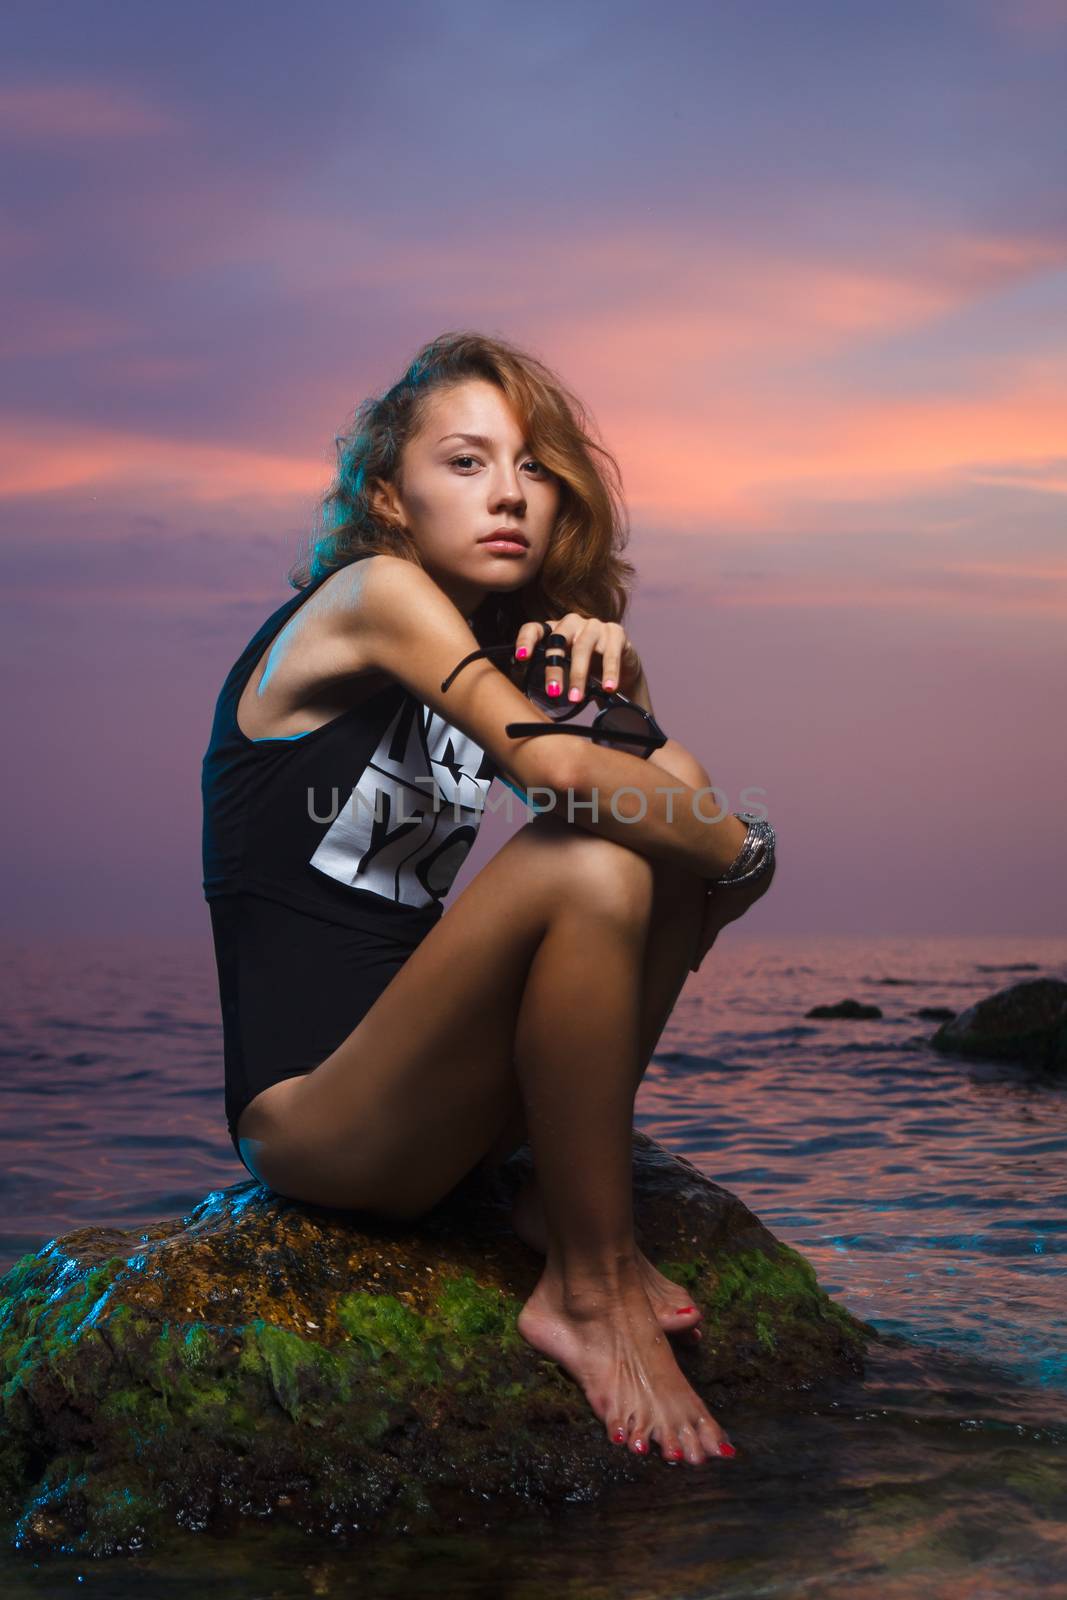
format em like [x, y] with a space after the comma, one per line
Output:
[806, 263]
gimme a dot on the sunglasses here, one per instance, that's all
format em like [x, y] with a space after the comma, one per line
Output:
[618, 722]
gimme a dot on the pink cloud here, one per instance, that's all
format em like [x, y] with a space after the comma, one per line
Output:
[50, 329]
[51, 457]
[50, 112]
[1034, 20]
[736, 303]
[746, 454]
[957, 587]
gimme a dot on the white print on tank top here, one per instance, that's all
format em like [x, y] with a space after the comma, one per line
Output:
[412, 854]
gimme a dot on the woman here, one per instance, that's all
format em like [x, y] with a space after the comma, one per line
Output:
[378, 1051]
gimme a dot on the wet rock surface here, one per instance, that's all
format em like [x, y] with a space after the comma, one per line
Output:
[1026, 1022]
[265, 1359]
[845, 1008]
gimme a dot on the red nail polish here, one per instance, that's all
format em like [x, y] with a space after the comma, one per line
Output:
[674, 1455]
[553, 688]
[619, 1435]
[726, 1449]
[641, 1445]
[678, 1313]
[522, 651]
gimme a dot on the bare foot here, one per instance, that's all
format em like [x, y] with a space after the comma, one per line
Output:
[614, 1348]
[671, 1305]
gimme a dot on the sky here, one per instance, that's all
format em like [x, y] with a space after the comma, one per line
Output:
[805, 263]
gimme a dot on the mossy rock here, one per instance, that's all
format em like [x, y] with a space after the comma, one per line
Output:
[261, 1358]
[1026, 1023]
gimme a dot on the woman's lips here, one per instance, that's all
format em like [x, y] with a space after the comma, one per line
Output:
[503, 545]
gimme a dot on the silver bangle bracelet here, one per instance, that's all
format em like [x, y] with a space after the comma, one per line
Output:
[758, 841]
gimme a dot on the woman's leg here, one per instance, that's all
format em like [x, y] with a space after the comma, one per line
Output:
[677, 913]
[591, 1309]
[673, 927]
[535, 970]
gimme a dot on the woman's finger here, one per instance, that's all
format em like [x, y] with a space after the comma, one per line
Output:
[584, 646]
[595, 638]
[583, 638]
[529, 637]
[612, 648]
[557, 643]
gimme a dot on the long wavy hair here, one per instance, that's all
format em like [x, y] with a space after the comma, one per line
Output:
[583, 569]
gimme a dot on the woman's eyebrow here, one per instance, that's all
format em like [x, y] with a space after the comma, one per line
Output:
[474, 438]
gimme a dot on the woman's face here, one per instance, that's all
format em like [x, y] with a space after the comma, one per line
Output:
[456, 492]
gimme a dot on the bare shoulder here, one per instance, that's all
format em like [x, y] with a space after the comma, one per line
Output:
[386, 584]
[394, 607]
[358, 602]
[312, 669]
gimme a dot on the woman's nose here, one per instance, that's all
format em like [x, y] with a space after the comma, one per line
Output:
[512, 496]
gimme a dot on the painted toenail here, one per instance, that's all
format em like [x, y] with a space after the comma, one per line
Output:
[619, 1435]
[726, 1448]
[674, 1455]
[639, 1444]
[681, 1309]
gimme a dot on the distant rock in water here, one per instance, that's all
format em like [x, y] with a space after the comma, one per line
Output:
[899, 983]
[844, 1008]
[261, 1360]
[1010, 966]
[936, 1013]
[1026, 1022]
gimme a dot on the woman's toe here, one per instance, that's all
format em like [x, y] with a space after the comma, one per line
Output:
[677, 1317]
[690, 1440]
[641, 1436]
[712, 1436]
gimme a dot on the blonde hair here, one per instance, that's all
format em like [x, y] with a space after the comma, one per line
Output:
[583, 569]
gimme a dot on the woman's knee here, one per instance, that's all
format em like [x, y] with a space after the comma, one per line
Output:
[597, 872]
[681, 764]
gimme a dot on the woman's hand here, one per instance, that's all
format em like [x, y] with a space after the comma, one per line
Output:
[725, 903]
[619, 667]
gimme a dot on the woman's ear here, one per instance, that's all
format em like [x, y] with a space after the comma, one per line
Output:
[384, 502]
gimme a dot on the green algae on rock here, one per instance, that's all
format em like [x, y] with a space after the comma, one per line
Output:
[261, 1358]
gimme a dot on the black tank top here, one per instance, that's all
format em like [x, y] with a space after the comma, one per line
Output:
[333, 822]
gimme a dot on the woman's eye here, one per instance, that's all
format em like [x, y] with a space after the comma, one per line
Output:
[455, 461]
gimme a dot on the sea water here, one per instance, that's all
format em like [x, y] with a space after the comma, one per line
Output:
[929, 1193]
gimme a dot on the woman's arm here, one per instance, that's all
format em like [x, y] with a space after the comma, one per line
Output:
[392, 617]
[637, 803]
[667, 818]
[724, 904]
[396, 619]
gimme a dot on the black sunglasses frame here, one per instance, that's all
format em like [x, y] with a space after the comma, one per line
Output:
[595, 691]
